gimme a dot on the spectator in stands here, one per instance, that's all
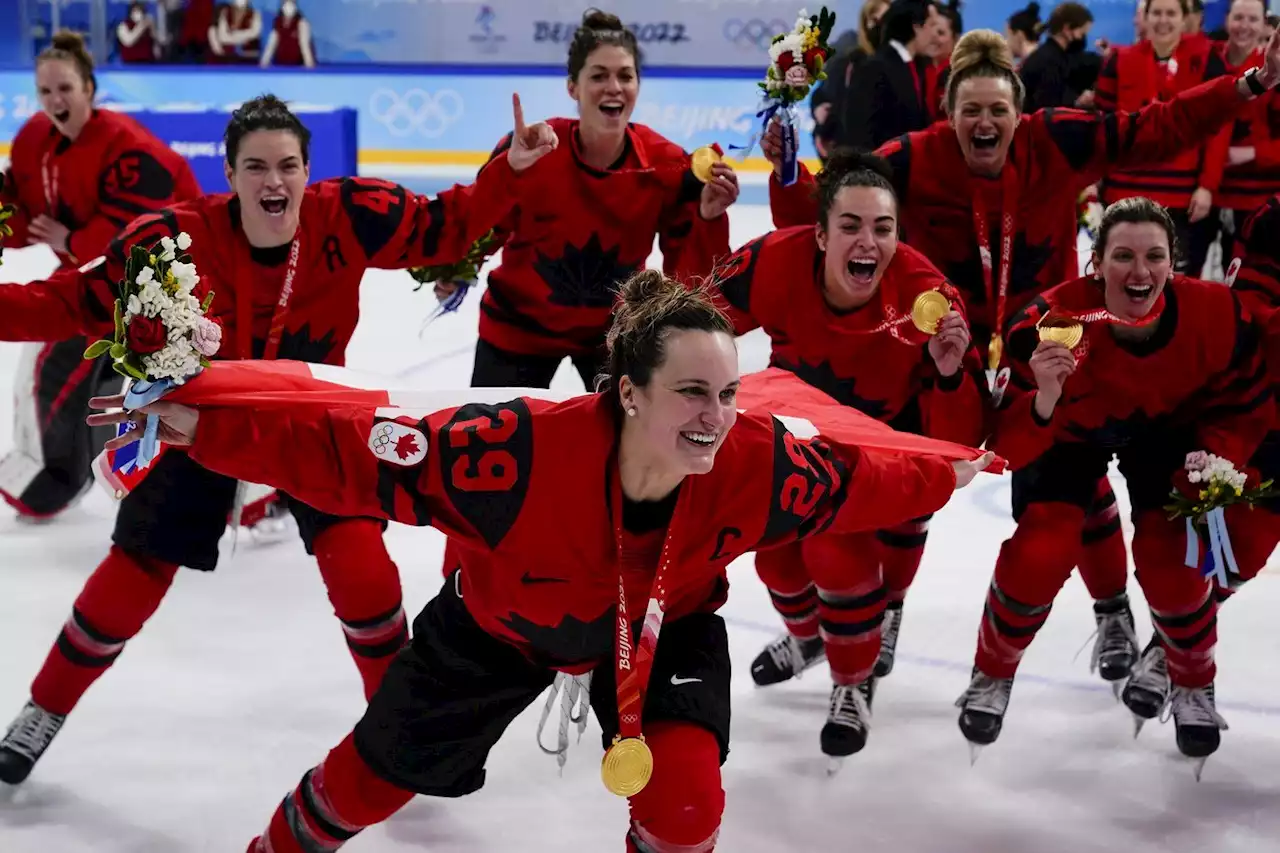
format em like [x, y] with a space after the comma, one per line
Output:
[1049, 72]
[1022, 31]
[136, 38]
[290, 40]
[828, 99]
[887, 94]
[948, 26]
[193, 24]
[236, 35]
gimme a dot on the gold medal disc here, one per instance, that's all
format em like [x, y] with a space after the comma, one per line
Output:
[1067, 334]
[994, 350]
[627, 766]
[703, 159]
[929, 307]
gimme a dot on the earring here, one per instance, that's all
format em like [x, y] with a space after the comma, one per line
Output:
[632, 411]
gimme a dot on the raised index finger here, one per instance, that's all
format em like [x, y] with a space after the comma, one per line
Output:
[519, 115]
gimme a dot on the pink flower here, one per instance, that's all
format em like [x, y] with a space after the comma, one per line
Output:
[797, 75]
[207, 337]
[1197, 460]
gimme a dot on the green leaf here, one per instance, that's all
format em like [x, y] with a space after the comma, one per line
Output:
[97, 349]
[119, 320]
[204, 362]
[119, 351]
[208, 300]
[133, 371]
[121, 369]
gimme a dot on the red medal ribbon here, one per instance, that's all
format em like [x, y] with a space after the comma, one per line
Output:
[997, 294]
[50, 179]
[634, 661]
[244, 308]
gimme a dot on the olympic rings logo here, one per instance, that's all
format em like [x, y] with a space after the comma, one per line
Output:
[416, 111]
[754, 32]
[382, 439]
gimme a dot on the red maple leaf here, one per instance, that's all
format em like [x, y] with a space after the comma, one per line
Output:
[406, 446]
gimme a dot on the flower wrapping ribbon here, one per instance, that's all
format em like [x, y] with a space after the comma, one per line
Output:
[1219, 558]
[789, 120]
[143, 393]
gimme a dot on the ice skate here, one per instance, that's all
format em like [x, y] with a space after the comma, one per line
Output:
[1197, 721]
[785, 658]
[27, 739]
[1147, 690]
[982, 709]
[848, 722]
[889, 638]
[1115, 651]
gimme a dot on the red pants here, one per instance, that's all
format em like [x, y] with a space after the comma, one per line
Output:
[679, 810]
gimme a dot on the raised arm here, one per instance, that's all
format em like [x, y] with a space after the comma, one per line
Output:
[1024, 427]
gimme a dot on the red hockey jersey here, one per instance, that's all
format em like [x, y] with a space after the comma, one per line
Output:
[577, 233]
[1133, 77]
[114, 171]
[1255, 277]
[1202, 369]
[775, 282]
[348, 225]
[1249, 185]
[1056, 154]
[497, 479]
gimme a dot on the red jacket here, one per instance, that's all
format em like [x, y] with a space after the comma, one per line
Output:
[497, 480]
[1055, 154]
[1201, 370]
[577, 233]
[114, 171]
[289, 40]
[1255, 277]
[1248, 186]
[349, 225]
[1131, 78]
[775, 282]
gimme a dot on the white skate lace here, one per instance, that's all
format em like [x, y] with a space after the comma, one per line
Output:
[889, 630]
[986, 695]
[1151, 672]
[32, 732]
[787, 655]
[575, 703]
[849, 707]
[1192, 706]
[1113, 633]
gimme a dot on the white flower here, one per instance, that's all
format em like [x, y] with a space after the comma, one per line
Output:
[145, 275]
[184, 241]
[133, 307]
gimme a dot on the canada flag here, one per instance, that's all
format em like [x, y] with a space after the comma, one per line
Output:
[398, 444]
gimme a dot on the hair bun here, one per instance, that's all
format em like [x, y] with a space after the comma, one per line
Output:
[644, 287]
[844, 160]
[1033, 9]
[979, 47]
[595, 19]
[71, 42]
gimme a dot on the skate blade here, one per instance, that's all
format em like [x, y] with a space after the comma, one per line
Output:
[834, 763]
[1197, 767]
[975, 749]
[1117, 688]
[1138, 723]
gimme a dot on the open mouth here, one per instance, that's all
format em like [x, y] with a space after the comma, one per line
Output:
[62, 117]
[1139, 293]
[986, 141]
[862, 270]
[702, 440]
[613, 109]
[274, 205]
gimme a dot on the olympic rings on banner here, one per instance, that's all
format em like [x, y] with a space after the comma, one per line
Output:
[754, 32]
[416, 111]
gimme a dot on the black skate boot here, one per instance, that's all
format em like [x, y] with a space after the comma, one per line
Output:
[889, 638]
[1198, 723]
[27, 739]
[786, 657]
[848, 721]
[1147, 690]
[1115, 652]
[982, 709]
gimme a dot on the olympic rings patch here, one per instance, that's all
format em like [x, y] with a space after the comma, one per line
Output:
[416, 111]
[398, 444]
[754, 32]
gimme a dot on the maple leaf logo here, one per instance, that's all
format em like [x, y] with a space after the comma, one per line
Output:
[842, 389]
[586, 277]
[407, 445]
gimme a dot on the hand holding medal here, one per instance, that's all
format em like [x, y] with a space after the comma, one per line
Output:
[949, 333]
[720, 181]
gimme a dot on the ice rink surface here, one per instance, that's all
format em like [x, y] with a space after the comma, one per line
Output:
[242, 681]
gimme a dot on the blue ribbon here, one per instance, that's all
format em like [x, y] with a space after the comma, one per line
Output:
[452, 302]
[1219, 557]
[789, 119]
[143, 393]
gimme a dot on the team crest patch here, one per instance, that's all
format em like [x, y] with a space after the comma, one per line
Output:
[999, 386]
[1232, 271]
[397, 443]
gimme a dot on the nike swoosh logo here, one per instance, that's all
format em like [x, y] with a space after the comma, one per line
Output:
[676, 680]
[528, 578]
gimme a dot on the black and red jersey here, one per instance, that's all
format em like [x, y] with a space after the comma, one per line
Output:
[1247, 186]
[114, 172]
[577, 232]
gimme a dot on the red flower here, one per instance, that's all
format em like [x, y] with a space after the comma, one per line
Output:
[811, 57]
[786, 60]
[146, 335]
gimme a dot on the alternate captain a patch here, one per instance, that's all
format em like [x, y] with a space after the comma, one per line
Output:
[398, 444]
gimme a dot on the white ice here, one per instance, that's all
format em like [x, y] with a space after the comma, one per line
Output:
[242, 681]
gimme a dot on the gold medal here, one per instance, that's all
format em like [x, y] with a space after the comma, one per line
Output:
[994, 350]
[627, 766]
[703, 159]
[1066, 333]
[929, 307]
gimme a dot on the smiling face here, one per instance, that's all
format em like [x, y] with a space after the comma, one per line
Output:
[270, 179]
[685, 411]
[1245, 24]
[985, 117]
[1136, 264]
[65, 96]
[859, 238]
[606, 89]
[1163, 21]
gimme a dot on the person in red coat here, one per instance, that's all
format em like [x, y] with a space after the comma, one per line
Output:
[1165, 63]
[1165, 366]
[136, 35]
[76, 175]
[848, 332]
[290, 42]
[284, 261]
[1007, 230]
[627, 585]
[236, 33]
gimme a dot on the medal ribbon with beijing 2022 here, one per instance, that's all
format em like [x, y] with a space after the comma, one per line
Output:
[997, 291]
[628, 762]
[1066, 326]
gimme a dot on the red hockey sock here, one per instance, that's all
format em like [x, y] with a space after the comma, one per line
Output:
[901, 549]
[1033, 565]
[364, 588]
[116, 602]
[679, 810]
[1104, 564]
[331, 804]
[851, 601]
[793, 593]
[1183, 609]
